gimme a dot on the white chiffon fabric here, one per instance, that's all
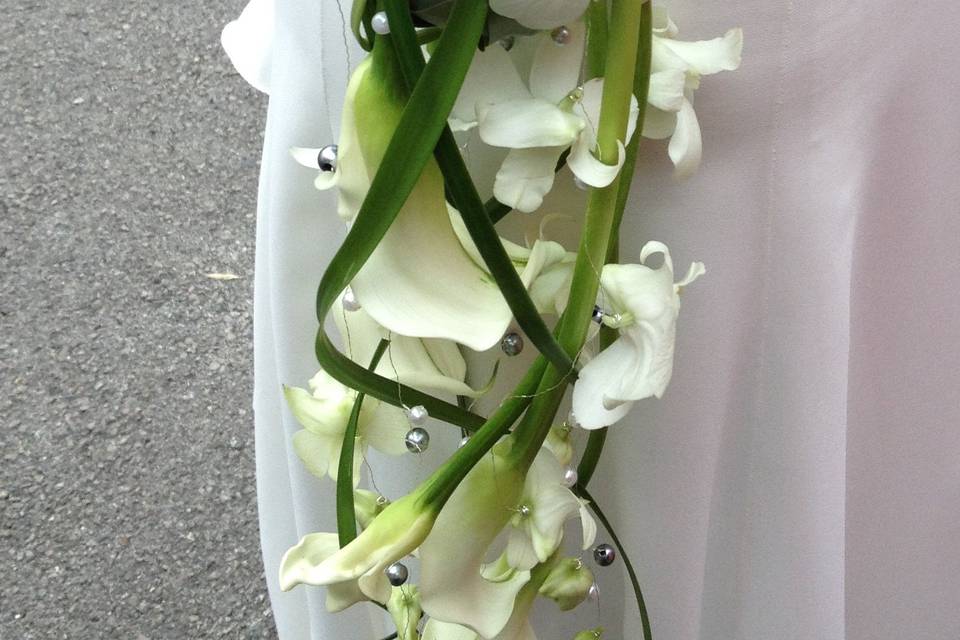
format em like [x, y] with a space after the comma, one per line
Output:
[801, 477]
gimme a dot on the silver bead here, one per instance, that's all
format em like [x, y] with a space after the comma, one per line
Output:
[604, 555]
[327, 158]
[561, 35]
[397, 574]
[417, 415]
[380, 23]
[463, 442]
[523, 510]
[512, 344]
[349, 300]
[593, 592]
[570, 477]
[417, 440]
[597, 315]
[580, 184]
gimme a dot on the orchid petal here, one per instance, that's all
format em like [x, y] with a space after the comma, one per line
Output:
[520, 552]
[319, 454]
[588, 392]
[666, 90]
[588, 525]
[248, 41]
[686, 146]
[556, 68]
[526, 176]
[659, 124]
[663, 25]
[540, 14]
[707, 57]
[591, 170]
[439, 630]
[492, 73]
[526, 123]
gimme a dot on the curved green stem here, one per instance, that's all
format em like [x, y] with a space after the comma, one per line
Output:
[346, 515]
[423, 119]
[463, 193]
[637, 592]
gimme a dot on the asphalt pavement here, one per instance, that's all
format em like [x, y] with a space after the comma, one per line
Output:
[129, 151]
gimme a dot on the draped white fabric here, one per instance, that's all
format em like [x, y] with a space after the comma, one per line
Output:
[801, 478]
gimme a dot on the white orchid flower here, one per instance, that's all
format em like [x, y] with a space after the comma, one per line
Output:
[395, 533]
[324, 412]
[643, 304]
[455, 584]
[538, 120]
[545, 505]
[676, 68]
[399, 285]
[541, 14]
[320, 546]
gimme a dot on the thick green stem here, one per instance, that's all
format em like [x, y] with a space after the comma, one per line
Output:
[641, 88]
[599, 226]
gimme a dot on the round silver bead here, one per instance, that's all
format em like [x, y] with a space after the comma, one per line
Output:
[570, 477]
[327, 158]
[380, 23]
[397, 574]
[463, 442]
[417, 440]
[604, 555]
[597, 315]
[523, 510]
[349, 300]
[512, 344]
[593, 592]
[418, 415]
[561, 35]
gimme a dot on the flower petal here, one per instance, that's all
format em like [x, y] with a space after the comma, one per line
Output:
[556, 68]
[526, 176]
[659, 124]
[452, 587]
[589, 408]
[686, 146]
[589, 169]
[248, 41]
[666, 90]
[439, 630]
[526, 123]
[706, 57]
[492, 73]
[540, 14]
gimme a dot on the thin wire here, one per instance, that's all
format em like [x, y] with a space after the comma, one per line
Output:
[343, 32]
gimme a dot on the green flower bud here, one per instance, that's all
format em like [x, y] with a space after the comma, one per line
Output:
[367, 505]
[589, 634]
[568, 583]
[404, 608]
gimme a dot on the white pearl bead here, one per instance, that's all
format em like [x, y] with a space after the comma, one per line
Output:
[570, 477]
[380, 23]
[349, 300]
[417, 415]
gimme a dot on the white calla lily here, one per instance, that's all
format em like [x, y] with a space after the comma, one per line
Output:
[541, 14]
[398, 286]
[546, 504]
[540, 120]
[643, 304]
[676, 68]
[454, 585]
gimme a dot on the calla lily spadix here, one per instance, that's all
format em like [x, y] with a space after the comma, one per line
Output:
[398, 286]
[538, 120]
[676, 69]
[642, 304]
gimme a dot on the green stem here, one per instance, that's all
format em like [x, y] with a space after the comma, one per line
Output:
[423, 119]
[463, 193]
[638, 594]
[346, 515]
[641, 88]
[599, 226]
[596, 39]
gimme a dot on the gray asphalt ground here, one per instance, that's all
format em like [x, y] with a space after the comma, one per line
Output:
[129, 152]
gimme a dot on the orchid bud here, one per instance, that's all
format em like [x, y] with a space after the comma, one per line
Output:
[568, 584]
[589, 634]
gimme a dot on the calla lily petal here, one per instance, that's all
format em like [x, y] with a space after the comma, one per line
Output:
[452, 586]
[439, 630]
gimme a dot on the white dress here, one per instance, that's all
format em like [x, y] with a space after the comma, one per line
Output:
[801, 477]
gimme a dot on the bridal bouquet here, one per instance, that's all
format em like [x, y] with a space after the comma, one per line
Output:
[565, 90]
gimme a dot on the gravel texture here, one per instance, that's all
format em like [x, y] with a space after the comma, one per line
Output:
[129, 152]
